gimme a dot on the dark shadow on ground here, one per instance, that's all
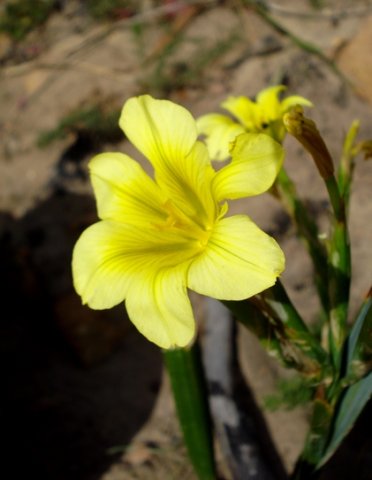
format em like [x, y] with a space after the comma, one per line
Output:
[75, 382]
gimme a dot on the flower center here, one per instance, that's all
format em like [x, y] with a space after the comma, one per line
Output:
[188, 227]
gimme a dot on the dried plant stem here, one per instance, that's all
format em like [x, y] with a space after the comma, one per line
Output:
[262, 9]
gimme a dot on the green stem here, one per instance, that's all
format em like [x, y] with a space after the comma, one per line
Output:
[346, 168]
[251, 317]
[274, 320]
[190, 394]
[281, 308]
[315, 442]
[337, 202]
[339, 263]
[308, 232]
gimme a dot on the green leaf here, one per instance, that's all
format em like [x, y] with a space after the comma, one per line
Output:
[347, 163]
[360, 338]
[352, 404]
[284, 313]
[319, 427]
[290, 393]
[251, 317]
[339, 283]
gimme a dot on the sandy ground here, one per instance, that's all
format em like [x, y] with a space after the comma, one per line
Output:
[80, 386]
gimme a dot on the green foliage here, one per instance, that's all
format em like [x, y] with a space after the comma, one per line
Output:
[23, 16]
[316, 440]
[359, 343]
[291, 393]
[349, 408]
[99, 123]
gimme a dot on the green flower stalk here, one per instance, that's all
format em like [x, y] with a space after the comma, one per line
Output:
[347, 163]
[285, 190]
[339, 263]
[191, 399]
[346, 168]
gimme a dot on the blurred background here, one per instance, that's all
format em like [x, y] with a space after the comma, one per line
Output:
[83, 394]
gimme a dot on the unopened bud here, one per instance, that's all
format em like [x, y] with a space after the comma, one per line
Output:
[365, 147]
[306, 132]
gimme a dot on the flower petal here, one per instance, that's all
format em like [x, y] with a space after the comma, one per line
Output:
[166, 134]
[99, 275]
[219, 131]
[293, 100]
[269, 102]
[244, 110]
[256, 161]
[159, 307]
[124, 192]
[239, 261]
[108, 256]
[162, 130]
[189, 185]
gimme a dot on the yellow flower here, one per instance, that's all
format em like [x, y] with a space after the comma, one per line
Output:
[158, 237]
[263, 115]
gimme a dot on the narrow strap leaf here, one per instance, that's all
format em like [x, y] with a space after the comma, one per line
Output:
[351, 405]
[315, 441]
[359, 342]
[252, 317]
